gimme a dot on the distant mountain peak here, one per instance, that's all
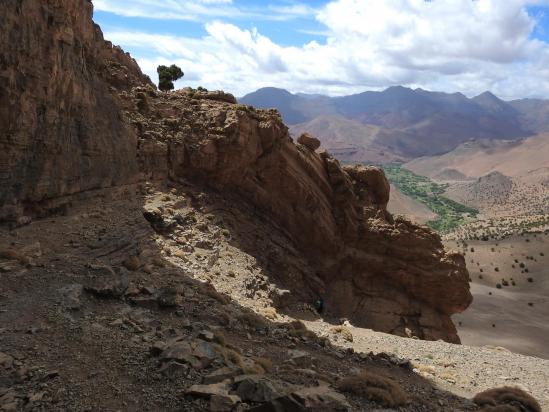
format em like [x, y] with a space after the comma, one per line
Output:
[487, 95]
[272, 90]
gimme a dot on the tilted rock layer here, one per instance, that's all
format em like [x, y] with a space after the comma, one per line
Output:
[87, 118]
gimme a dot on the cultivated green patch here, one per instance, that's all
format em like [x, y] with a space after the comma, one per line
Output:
[451, 214]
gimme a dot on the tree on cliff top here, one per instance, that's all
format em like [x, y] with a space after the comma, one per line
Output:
[168, 75]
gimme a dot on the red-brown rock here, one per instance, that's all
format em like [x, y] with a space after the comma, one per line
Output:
[87, 118]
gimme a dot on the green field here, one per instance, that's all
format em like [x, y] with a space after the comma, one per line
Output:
[451, 214]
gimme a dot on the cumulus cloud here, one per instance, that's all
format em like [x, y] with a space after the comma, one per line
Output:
[453, 45]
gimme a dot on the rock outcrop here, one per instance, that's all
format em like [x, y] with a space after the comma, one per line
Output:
[87, 119]
[60, 127]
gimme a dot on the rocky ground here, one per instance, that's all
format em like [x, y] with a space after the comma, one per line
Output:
[99, 311]
[461, 369]
[117, 305]
[117, 294]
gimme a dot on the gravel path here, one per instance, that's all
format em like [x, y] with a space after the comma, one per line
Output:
[463, 370]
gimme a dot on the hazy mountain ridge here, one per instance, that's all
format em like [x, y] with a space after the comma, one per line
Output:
[409, 123]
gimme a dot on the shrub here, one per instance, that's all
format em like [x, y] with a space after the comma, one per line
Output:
[132, 263]
[298, 329]
[506, 399]
[210, 291]
[375, 387]
[344, 332]
[168, 75]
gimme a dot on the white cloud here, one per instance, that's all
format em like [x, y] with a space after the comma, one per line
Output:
[199, 10]
[453, 45]
[169, 9]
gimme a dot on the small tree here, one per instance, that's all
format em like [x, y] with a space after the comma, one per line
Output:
[168, 75]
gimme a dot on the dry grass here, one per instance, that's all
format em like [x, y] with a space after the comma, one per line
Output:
[375, 387]
[132, 263]
[506, 399]
[210, 291]
[12, 254]
[423, 368]
[230, 355]
[158, 262]
[298, 329]
[253, 320]
[297, 325]
[269, 313]
[181, 254]
[344, 332]
[265, 363]
[219, 337]
[254, 369]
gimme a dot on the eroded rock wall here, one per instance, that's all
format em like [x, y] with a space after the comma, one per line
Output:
[61, 131]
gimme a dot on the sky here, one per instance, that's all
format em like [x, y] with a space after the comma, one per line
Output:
[339, 47]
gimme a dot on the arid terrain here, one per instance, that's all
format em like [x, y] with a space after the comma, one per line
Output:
[510, 285]
[501, 179]
[177, 250]
[506, 245]
[400, 204]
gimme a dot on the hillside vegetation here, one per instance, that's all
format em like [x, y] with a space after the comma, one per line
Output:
[451, 214]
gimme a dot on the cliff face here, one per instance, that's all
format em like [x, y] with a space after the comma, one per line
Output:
[60, 129]
[85, 117]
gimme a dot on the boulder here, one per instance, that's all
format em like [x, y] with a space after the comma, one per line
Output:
[108, 284]
[320, 398]
[207, 391]
[254, 388]
[310, 142]
[168, 297]
[71, 295]
[222, 374]
[223, 403]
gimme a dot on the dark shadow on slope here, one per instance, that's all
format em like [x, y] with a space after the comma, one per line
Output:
[97, 355]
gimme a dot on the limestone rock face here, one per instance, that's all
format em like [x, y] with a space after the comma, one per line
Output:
[60, 127]
[86, 118]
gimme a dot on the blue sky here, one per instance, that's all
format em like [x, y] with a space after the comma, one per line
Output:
[339, 46]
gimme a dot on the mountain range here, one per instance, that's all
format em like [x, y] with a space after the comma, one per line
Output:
[399, 124]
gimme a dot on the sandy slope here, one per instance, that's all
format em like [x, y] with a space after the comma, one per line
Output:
[503, 317]
[400, 204]
[479, 158]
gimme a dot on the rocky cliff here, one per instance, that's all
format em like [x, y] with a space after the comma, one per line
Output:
[61, 130]
[77, 115]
